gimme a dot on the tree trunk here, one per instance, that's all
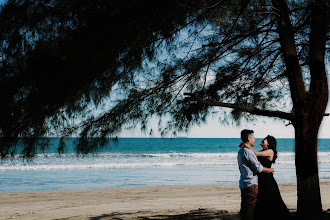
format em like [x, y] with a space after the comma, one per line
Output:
[308, 106]
[308, 187]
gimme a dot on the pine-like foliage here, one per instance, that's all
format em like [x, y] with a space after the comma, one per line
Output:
[131, 60]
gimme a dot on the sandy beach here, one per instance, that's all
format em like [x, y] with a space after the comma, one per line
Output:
[156, 202]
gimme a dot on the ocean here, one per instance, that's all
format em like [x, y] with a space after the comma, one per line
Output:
[131, 162]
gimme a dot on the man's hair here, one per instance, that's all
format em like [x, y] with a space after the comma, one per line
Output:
[245, 135]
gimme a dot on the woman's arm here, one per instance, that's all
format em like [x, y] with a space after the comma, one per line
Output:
[265, 153]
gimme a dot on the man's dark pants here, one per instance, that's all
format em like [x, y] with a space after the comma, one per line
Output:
[248, 202]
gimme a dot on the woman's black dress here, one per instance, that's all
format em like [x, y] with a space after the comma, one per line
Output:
[269, 204]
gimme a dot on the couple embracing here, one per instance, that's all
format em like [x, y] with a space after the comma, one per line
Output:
[261, 198]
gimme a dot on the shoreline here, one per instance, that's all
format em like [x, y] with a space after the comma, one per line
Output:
[221, 201]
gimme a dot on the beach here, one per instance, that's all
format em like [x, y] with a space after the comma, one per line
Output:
[143, 178]
[152, 202]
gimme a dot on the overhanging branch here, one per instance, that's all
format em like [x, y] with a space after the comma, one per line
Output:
[253, 110]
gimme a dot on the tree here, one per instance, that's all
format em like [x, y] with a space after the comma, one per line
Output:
[243, 55]
[73, 48]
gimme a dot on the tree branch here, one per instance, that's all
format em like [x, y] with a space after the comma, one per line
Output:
[287, 41]
[318, 39]
[251, 110]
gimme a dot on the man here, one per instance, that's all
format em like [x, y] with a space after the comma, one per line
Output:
[249, 167]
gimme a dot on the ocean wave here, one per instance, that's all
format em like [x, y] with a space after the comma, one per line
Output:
[285, 162]
[143, 155]
[137, 160]
[111, 165]
[161, 155]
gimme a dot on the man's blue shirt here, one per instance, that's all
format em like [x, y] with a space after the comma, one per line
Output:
[249, 167]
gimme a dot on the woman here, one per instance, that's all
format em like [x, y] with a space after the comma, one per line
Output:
[269, 204]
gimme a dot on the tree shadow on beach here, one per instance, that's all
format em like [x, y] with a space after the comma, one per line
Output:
[197, 214]
[200, 214]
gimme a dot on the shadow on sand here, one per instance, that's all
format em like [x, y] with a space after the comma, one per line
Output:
[204, 214]
[200, 214]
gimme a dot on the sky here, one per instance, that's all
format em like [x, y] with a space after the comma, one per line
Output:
[262, 127]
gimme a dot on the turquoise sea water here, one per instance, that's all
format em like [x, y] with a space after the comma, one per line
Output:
[145, 162]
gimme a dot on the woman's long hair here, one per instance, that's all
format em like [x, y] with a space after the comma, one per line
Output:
[272, 145]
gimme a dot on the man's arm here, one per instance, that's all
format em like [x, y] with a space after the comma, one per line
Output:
[268, 170]
[256, 166]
